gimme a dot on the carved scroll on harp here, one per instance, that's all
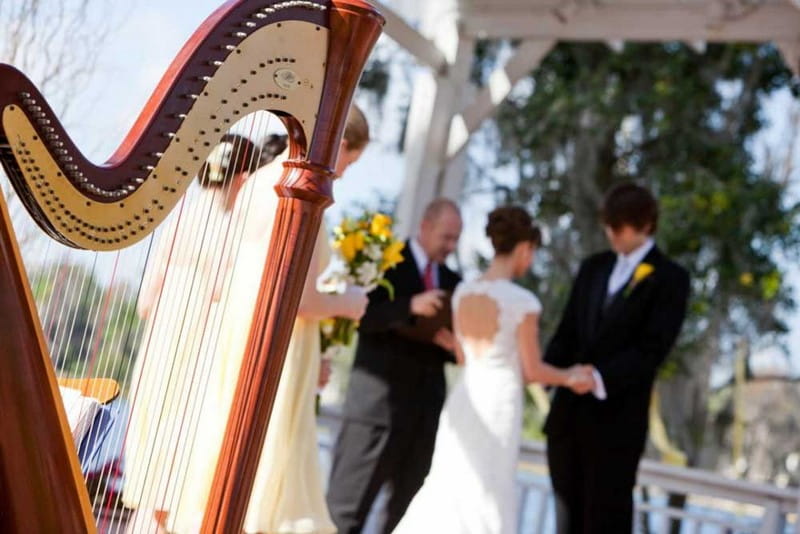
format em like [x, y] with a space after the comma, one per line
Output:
[298, 59]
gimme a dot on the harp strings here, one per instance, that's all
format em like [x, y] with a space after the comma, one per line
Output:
[218, 233]
[88, 309]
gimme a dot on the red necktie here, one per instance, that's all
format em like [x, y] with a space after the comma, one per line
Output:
[427, 277]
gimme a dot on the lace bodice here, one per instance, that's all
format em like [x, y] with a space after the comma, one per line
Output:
[487, 314]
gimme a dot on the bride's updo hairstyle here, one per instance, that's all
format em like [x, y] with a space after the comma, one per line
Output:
[509, 226]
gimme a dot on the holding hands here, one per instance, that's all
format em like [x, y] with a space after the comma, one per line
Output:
[580, 379]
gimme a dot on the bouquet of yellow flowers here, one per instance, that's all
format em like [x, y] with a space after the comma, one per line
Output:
[365, 248]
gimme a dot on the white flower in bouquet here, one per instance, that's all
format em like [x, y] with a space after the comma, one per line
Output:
[367, 274]
[327, 328]
[375, 252]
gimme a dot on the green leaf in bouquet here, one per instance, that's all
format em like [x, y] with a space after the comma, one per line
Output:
[387, 285]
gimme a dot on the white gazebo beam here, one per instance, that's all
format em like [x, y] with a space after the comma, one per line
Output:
[645, 22]
[424, 50]
[525, 58]
[698, 46]
[790, 50]
[437, 96]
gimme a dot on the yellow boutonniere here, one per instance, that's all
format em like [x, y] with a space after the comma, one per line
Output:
[643, 270]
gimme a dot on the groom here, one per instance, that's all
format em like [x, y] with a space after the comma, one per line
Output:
[397, 385]
[623, 315]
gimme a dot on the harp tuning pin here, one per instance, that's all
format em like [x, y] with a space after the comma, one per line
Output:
[192, 96]
[130, 188]
[34, 109]
[215, 63]
[249, 24]
[51, 137]
[157, 155]
[205, 78]
[61, 151]
[58, 144]
[71, 167]
[138, 180]
[260, 16]
[229, 48]
[269, 10]
[49, 129]
[25, 95]
[148, 168]
[239, 35]
[182, 116]
[65, 159]
[171, 135]
[43, 122]
[29, 102]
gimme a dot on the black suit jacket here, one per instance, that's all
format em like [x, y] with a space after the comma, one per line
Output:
[394, 375]
[626, 342]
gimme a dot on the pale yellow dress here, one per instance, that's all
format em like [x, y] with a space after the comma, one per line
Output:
[288, 494]
[173, 362]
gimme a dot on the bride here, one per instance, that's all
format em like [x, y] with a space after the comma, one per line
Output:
[470, 486]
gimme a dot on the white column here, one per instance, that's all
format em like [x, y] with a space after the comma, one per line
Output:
[435, 100]
[790, 50]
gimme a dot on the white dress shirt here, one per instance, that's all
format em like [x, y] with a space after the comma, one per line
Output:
[626, 264]
[623, 270]
[421, 258]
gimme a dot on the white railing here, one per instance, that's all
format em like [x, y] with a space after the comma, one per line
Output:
[714, 504]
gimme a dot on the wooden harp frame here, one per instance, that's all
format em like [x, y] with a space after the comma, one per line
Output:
[299, 59]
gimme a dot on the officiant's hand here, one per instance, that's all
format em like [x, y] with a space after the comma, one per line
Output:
[427, 304]
[580, 379]
[444, 338]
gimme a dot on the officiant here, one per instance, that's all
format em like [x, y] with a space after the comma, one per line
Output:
[397, 385]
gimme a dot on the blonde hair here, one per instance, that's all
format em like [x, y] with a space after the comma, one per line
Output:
[356, 131]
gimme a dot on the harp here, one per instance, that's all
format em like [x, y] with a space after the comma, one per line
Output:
[297, 59]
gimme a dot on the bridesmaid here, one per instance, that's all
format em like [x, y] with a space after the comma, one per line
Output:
[176, 303]
[287, 496]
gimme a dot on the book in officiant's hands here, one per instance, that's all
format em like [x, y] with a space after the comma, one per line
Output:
[425, 328]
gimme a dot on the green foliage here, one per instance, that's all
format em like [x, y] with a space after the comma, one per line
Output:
[91, 330]
[681, 123]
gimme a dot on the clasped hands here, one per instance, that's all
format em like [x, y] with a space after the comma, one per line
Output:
[580, 379]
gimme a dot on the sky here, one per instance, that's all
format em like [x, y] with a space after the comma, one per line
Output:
[149, 33]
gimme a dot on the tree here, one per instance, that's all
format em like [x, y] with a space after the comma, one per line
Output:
[56, 43]
[91, 329]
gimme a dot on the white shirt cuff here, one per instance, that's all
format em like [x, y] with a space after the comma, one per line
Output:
[599, 390]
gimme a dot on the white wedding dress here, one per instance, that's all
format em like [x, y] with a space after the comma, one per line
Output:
[470, 487]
